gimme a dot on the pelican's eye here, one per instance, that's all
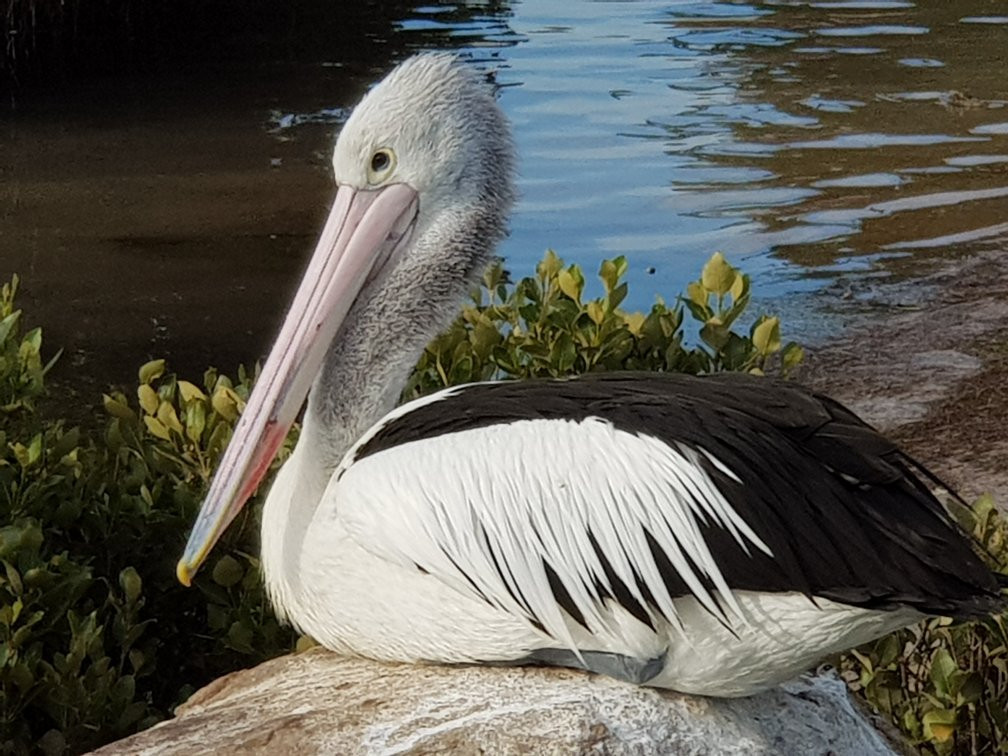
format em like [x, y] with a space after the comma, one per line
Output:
[382, 164]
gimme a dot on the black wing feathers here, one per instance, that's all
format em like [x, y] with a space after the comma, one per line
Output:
[842, 509]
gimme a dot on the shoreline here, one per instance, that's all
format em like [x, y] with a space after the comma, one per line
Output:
[933, 377]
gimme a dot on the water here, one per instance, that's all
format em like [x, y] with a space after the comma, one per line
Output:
[821, 145]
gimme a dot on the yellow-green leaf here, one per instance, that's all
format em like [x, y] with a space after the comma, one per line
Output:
[943, 666]
[117, 408]
[131, 584]
[223, 403]
[634, 322]
[168, 417]
[738, 287]
[156, 428]
[195, 415]
[190, 391]
[792, 356]
[35, 449]
[766, 335]
[239, 403]
[550, 265]
[152, 370]
[939, 724]
[697, 293]
[20, 453]
[148, 398]
[718, 276]
[569, 285]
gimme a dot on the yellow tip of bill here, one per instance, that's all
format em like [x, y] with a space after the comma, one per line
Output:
[183, 573]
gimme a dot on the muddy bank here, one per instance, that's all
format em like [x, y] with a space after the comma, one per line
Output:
[933, 375]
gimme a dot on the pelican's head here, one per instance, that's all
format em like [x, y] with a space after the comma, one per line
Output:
[423, 169]
[431, 125]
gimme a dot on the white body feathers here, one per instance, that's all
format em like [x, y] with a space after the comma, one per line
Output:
[393, 563]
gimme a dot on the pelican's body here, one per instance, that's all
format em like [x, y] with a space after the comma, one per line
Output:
[711, 535]
[402, 558]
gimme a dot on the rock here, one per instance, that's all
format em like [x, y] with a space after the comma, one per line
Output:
[320, 703]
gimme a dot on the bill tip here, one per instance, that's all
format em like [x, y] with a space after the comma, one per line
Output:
[183, 573]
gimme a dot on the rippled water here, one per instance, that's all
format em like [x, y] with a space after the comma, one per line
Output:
[800, 138]
[820, 145]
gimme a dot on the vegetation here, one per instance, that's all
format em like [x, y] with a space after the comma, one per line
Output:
[945, 684]
[97, 640]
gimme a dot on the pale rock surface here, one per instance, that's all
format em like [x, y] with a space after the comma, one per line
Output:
[320, 703]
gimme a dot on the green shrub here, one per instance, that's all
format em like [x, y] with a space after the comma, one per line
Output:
[543, 326]
[21, 371]
[945, 684]
[97, 639]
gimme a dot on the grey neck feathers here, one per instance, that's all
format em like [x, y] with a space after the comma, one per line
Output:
[387, 329]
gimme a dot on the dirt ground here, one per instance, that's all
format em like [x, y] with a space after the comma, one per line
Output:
[934, 376]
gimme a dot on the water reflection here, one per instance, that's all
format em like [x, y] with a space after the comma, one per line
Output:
[807, 140]
[737, 128]
[732, 126]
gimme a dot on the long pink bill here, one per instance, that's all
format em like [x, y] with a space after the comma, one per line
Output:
[364, 229]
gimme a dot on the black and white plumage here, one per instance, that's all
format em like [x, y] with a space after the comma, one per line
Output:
[713, 535]
[791, 490]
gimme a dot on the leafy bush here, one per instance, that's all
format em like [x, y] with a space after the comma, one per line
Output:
[96, 638]
[543, 326]
[21, 371]
[945, 684]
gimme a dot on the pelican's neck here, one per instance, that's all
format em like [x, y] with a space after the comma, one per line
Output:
[363, 375]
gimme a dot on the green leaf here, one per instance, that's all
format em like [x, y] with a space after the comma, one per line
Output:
[939, 724]
[616, 296]
[148, 398]
[697, 294]
[13, 579]
[8, 324]
[131, 584]
[240, 636]
[151, 371]
[190, 391]
[34, 451]
[168, 417]
[971, 688]
[570, 282]
[550, 265]
[195, 421]
[791, 357]
[943, 666]
[227, 571]
[714, 333]
[888, 650]
[157, 428]
[118, 408]
[718, 276]
[766, 335]
[911, 724]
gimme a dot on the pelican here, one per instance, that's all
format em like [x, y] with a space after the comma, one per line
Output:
[713, 535]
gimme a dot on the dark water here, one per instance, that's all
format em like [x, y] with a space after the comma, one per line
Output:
[823, 146]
